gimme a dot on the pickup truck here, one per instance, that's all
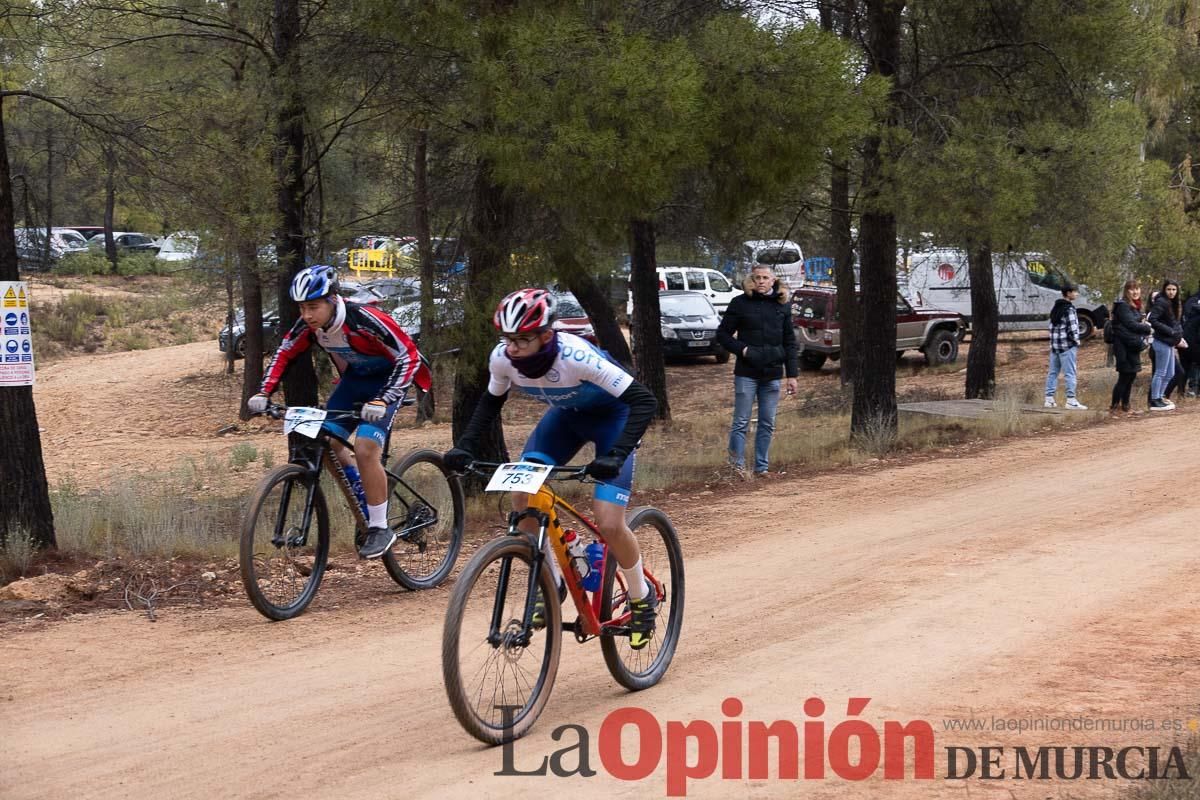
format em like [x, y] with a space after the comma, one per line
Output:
[935, 332]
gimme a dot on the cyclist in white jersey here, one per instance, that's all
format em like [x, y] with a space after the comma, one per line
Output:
[591, 399]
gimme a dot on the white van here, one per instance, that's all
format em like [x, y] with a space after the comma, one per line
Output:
[1027, 287]
[715, 286]
[783, 256]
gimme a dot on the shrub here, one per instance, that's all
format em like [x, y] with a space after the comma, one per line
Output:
[140, 264]
[90, 263]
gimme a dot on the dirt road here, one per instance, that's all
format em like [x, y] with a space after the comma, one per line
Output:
[1026, 581]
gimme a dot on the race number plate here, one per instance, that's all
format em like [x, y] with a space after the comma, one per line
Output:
[304, 421]
[521, 476]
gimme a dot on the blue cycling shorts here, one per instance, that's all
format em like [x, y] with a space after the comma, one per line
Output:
[562, 432]
[353, 389]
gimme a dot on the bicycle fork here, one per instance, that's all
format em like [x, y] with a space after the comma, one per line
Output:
[497, 636]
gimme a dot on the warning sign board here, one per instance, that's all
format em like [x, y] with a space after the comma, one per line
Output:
[16, 342]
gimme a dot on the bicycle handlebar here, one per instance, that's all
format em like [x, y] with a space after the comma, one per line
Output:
[571, 471]
[277, 411]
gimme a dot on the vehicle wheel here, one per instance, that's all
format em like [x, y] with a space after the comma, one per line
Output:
[282, 562]
[478, 669]
[811, 360]
[239, 347]
[1086, 327]
[722, 355]
[426, 509]
[663, 559]
[942, 348]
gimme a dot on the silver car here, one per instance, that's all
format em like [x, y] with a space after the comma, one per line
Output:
[689, 325]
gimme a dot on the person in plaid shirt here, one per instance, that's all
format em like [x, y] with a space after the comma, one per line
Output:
[1064, 342]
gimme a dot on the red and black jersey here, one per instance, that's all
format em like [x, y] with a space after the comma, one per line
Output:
[362, 341]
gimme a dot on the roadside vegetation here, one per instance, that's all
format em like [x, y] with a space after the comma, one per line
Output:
[102, 314]
[193, 509]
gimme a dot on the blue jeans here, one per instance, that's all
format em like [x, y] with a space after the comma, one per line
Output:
[744, 392]
[1164, 368]
[1064, 363]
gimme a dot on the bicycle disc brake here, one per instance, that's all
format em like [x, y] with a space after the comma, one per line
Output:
[418, 518]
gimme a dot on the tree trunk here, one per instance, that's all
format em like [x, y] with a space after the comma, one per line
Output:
[25, 497]
[425, 400]
[985, 324]
[110, 205]
[300, 385]
[840, 19]
[46, 245]
[645, 328]
[488, 235]
[596, 302]
[874, 416]
[252, 306]
[230, 311]
[849, 313]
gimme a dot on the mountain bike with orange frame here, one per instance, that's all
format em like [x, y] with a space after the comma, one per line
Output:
[499, 667]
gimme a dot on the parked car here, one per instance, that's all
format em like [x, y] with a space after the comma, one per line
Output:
[272, 333]
[127, 242]
[689, 323]
[385, 293]
[935, 332]
[709, 282]
[86, 231]
[178, 246]
[408, 315]
[1027, 287]
[569, 316]
[31, 245]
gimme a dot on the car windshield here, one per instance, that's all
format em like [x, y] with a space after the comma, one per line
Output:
[778, 255]
[685, 306]
[568, 307]
[809, 307]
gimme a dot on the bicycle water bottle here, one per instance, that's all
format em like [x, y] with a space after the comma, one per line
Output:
[595, 558]
[576, 554]
[356, 485]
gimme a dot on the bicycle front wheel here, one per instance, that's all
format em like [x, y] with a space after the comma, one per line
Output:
[497, 681]
[662, 558]
[282, 557]
[426, 510]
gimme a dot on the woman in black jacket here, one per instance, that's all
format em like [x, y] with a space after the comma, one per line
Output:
[1129, 340]
[757, 328]
[1191, 334]
[1166, 318]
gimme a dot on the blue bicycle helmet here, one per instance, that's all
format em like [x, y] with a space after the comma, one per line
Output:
[313, 283]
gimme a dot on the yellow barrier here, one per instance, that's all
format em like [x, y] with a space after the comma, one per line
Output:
[388, 262]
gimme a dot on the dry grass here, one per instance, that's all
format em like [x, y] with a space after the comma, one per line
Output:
[165, 515]
[197, 507]
[16, 556]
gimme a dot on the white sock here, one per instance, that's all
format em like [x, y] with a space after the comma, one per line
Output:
[635, 579]
[377, 515]
[555, 569]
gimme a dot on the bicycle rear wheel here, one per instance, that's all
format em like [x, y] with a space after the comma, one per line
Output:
[498, 688]
[663, 559]
[282, 558]
[426, 509]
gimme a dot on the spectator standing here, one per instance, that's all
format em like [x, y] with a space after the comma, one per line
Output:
[1129, 340]
[757, 329]
[1166, 318]
[1191, 335]
[1064, 346]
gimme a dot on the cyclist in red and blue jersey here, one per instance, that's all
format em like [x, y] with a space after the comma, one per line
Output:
[376, 362]
[591, 399]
